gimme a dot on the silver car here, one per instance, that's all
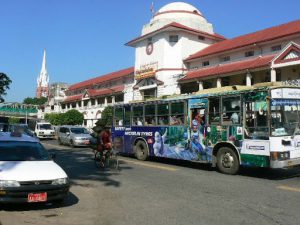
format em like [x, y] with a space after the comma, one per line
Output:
[73, 136]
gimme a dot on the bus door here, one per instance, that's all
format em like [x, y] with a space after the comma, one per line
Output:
[197, 126]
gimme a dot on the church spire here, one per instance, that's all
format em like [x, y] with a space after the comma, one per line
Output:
[43, 80]
[44, 70]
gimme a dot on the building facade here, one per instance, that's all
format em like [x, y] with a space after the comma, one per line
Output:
[178, 52]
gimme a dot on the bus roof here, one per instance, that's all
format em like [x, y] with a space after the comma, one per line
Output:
[227, 90]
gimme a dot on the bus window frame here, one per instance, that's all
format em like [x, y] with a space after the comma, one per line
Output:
[183, 122]
[114, 116]
[226, 123]
[133, 116]
[250, 135]
[163, 115]
[209, 114]
[146, 115]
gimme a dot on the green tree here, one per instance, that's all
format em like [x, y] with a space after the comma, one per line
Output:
[72, 117]
[35, 101]
[4, 85]
[106, 119]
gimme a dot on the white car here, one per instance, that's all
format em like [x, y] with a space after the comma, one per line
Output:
[28, 173]
[44, 130]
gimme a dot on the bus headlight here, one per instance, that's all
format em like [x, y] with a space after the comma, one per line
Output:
[280, 156]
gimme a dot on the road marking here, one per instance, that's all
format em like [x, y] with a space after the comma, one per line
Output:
[151, 165]
[287, 188]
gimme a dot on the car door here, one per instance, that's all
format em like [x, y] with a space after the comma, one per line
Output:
[62, 135]
[68, 135]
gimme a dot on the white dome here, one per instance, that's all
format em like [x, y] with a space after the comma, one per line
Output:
[179, 6]
[178, 12]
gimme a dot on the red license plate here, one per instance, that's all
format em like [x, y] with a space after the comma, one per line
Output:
[37, 197]
[86, 142]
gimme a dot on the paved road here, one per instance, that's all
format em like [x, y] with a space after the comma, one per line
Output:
[163, 192]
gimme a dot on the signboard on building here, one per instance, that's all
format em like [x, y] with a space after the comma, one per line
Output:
[146, 71]
[286, 93]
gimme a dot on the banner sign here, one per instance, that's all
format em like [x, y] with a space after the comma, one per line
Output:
[287, 93]
[285, 102]
[146, 71]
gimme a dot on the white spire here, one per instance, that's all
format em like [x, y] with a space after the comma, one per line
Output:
[43, 79]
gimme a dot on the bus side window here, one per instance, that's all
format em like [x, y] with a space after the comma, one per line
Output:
[127, 116]
[214, 110]
[163, 114]
[118, 120]
[150, 115]
[231, 112]
[177, 113]
[138, 115]
[256, 120]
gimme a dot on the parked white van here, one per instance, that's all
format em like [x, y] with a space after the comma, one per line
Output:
[44, 130]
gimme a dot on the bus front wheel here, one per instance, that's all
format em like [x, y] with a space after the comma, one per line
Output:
[227, 161]
[141, 150]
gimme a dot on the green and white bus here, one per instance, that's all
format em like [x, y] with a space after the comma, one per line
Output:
[228, 127]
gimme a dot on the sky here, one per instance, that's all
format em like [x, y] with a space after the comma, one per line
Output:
[86, 38]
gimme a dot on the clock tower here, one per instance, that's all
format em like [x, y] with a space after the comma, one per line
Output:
[175, 31]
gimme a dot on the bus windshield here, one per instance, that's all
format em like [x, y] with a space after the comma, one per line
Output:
[285, 120]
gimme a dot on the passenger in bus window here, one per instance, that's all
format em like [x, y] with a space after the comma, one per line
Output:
[175, 121]
[120, 123]
[234, 118]
[139, 122]
[163, 120]
[150, 121]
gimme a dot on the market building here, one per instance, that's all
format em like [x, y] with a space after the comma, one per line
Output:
[179, 52]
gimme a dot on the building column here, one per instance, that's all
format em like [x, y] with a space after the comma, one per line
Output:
[273, 75]
[82, 103]
[248, 79]
[219, 82]
[113, 99]
[105, 101]
[200, 83]
[96, 102]
[77, 105]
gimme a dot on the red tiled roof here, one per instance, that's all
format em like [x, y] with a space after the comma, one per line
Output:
[95, 93]
[73, 98]
[105, 91]
[250, 39]
[229, 67]
[101, 79]
[179, 26]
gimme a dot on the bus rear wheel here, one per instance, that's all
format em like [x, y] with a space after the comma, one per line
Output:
[227, 161]
[141, 150]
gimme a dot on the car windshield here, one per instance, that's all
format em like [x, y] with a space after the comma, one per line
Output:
[22, 151]
[45, 127]
[285, 119]
[79, 130]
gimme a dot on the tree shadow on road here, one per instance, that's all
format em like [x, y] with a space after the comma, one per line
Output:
[79, 165]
